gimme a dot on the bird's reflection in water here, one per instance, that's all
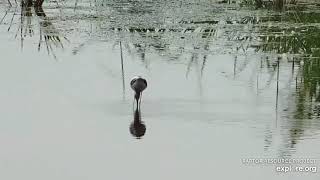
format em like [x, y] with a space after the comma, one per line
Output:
[137, 127]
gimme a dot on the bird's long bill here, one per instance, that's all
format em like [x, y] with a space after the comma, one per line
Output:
[138, 99]
[137, 96]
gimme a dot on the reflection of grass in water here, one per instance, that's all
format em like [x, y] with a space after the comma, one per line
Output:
[299, 40]
[303, 41]
[307, 109]
[298, 37]
[275, 39]
[169, 42]
[277, 4]
[290, 40]
[48, 34]
[309, 88]
[31, 11]
[297, 15]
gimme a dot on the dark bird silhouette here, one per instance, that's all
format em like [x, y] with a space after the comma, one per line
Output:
[137, 127]
[138, 84]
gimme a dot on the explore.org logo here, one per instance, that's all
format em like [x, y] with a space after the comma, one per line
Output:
[312, 169]
[283, 165]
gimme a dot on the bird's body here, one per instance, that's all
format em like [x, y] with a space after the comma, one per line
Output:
[138, 84]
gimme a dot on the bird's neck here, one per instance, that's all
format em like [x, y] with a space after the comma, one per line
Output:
[137, 95]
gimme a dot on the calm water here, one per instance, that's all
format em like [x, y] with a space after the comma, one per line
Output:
[226, 82]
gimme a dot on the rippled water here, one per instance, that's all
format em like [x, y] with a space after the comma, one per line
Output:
[226, 82]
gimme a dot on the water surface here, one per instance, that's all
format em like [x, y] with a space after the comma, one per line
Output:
[226, 82]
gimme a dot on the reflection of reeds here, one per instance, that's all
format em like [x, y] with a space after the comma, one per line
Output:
[29, 3]
[304, 42]
[290, 40]
[9, 3]
[276, 4]
[170, 43]
[48, 34]
[311, 79]
[11, 21]
[122, 72]
[4, 16]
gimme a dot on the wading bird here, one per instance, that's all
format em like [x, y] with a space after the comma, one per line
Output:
[137, 127]
[138, 84]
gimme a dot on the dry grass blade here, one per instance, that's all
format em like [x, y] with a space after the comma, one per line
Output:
[12, 19]
[5, 14]
[9, 3]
